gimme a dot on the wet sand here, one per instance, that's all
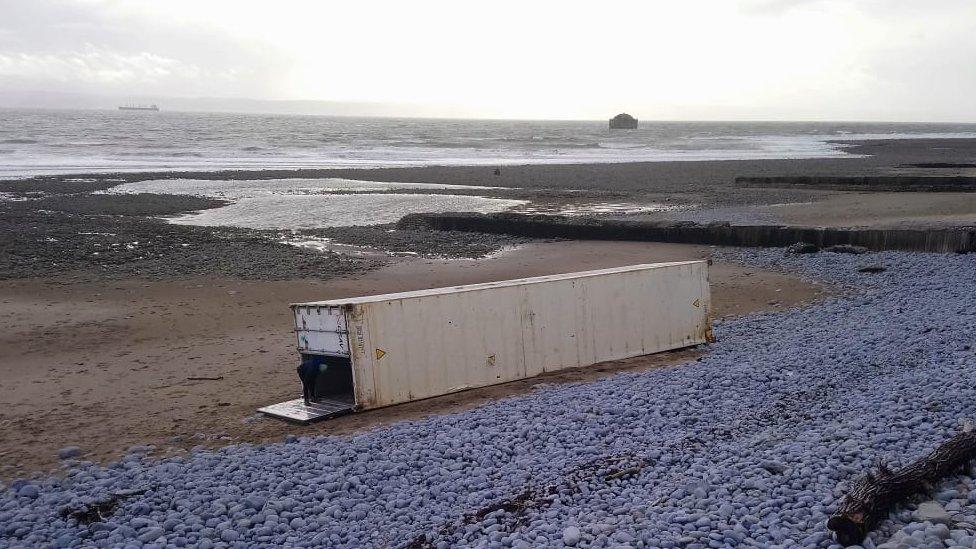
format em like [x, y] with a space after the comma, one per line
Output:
[107, 365]
[879, 210]
[61, 230]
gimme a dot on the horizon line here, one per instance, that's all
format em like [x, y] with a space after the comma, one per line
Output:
[497, 119]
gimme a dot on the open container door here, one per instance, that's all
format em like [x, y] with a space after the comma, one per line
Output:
[325, 368]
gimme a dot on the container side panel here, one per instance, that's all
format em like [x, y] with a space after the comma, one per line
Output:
[408, 346]
[631, 297]
[602, 322]
[441, 326]
[549, 327]
[663, 322]
[705, 321]
[400, 340]
[624, 298]
[444, 343]
[457, 350]
[585, 334]
[528, 302]
[562, 343]
[486, 347]
[662, 326]
[609, 299]
[408, 349]
[683, 308]
[502, 345]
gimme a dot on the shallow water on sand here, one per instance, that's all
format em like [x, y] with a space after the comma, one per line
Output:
[337, 210]
[316, 203]
[222, 188]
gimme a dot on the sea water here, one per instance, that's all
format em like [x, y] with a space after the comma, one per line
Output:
[34, 142]
[303, 203]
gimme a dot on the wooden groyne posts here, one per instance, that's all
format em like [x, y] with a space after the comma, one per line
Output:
[720, 234]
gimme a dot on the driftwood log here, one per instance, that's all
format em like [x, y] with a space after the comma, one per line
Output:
[876, 494]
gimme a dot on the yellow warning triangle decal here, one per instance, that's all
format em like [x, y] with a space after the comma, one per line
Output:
[697, 303]
[380, 353]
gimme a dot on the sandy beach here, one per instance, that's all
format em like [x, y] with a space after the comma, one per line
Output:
[878, 210]
[180, 363]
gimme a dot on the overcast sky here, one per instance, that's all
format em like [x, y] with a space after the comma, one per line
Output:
[721, 59]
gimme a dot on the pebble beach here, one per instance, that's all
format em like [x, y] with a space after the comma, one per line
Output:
[752, 445]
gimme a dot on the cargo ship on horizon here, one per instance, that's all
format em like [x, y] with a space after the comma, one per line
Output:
[139, 108]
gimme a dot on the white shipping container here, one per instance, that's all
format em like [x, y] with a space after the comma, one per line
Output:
[394, 348]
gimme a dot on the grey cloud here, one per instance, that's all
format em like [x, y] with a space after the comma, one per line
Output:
[97, 40]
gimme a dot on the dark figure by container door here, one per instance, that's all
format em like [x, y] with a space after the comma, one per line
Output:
[308, 372]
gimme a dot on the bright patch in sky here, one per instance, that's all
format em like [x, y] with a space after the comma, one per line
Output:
[711, 59]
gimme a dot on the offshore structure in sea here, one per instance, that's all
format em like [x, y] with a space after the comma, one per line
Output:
[623, 121]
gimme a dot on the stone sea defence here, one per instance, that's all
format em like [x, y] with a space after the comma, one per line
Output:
[722, 234]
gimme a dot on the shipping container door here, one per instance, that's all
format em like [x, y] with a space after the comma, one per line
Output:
[321, 330]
